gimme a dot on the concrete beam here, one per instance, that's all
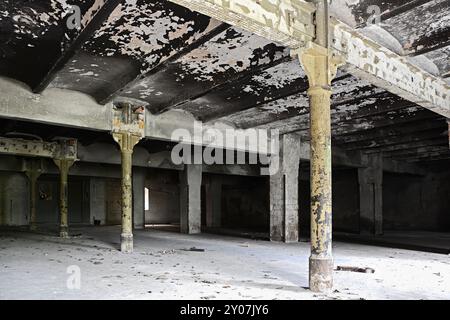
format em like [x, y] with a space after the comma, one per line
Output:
[289, 22]
[382, 67]
[62, 107]
[181, 126]
[54, 106]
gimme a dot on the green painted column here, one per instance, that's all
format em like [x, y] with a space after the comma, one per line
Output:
[127, 141]
[320, 67]
[64, 166]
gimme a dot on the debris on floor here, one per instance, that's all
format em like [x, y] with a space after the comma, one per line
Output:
[355, 269]
[194, 249]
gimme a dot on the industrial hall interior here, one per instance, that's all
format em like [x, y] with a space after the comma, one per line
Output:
[225, 149]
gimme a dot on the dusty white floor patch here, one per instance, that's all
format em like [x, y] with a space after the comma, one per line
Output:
[35, 267]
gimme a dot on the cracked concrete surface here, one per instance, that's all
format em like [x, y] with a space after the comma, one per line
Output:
[34, 266]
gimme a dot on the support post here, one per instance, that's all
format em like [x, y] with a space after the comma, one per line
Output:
[214, 202]
[66, 155]
[33, 170]
[190, 199]
[126, 141]
[128, 130]
[320, 66]
[284, 207]
[371, 195]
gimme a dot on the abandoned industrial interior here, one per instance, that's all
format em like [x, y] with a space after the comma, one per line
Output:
[328, 123]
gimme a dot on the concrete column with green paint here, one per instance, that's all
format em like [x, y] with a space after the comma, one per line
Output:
[64, 166]
[65, 157]
[127, 141]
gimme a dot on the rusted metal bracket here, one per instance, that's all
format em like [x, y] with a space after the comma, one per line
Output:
[63, 148]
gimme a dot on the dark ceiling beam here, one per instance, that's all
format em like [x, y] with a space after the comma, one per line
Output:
[394, 103]
[410, 5]
[400, 130]
[383, 140]
[439, 141]
[224, 112]
[445, 158]
[419, 153]
[134, 78]
[427, 44]
[382, 121]
[229, 110]
[241, 77]
[67, 53]
[376, 122]
[365, 118]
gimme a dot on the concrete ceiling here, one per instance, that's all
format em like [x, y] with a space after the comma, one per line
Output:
[168, 57]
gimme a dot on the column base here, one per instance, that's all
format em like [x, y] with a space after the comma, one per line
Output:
[64, 232]
[33, 227]
[126, 243]
[320, 274]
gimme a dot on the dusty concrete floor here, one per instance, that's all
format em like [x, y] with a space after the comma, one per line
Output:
[34, 266]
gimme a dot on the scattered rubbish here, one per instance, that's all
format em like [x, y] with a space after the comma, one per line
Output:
[194, 249]
[355, 269]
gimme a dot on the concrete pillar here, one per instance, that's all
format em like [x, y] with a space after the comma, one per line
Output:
[64, 166]
[448, 121]
[284, 207]
[321, 67]
[126, 141]
[371, 195]
[97, 199]
[214, 202]
[190, 199]
[33, 170]
[139, 176]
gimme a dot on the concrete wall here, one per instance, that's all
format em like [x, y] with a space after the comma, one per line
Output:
[417, 203]
[98, 200]
[345, 201]
[113, 202]
[164, 197]
[47, 205]
[245, 203]
[14, 199]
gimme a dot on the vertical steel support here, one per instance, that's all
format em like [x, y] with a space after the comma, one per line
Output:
[65, 157]
[128, 130]
[321, 67]
[127, 141]
[33, 170]
[64, 166]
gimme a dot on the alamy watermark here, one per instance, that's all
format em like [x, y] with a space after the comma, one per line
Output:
[73, 282]
[212, 146]
[73, 13]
